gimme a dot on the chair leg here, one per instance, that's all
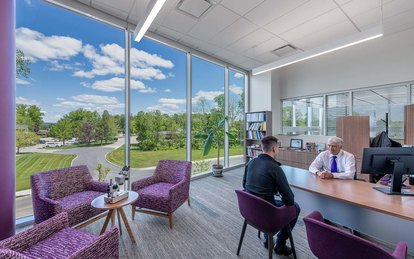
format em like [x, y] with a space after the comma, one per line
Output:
[170, 219]
[258, 233]
[133, 211]
[242, 236]
[188, 200]
[292, 245]
[270, 244]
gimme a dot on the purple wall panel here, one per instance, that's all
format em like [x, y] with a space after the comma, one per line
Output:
[7, 115]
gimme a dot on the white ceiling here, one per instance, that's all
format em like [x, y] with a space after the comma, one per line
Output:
[244, 32]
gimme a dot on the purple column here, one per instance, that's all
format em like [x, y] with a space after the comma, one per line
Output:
[8, 121]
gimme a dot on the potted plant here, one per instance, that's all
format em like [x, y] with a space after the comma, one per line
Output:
[215, 137]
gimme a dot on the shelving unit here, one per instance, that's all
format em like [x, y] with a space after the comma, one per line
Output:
[258, 125]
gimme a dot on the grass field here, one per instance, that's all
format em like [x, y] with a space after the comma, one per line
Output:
[31, 163]
[140, 159]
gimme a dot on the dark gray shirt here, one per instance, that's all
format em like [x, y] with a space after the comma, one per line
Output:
[263, 177]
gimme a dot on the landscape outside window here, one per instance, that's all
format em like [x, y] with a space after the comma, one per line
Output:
[303, 116]
[70, 98]
[376, 103]
[337, 105]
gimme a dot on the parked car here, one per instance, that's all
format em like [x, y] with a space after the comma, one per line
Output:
[54, 144]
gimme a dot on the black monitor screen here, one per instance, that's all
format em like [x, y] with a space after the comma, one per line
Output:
[389, 160]
[296, 143]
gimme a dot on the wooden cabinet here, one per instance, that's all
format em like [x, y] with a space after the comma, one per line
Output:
[354, 130]
[296, 158]
[409, 124]
[258, 125]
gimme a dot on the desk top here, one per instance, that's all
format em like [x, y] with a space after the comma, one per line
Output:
[351, 191]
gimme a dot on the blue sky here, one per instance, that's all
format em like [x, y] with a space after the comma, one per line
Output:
[79, 63]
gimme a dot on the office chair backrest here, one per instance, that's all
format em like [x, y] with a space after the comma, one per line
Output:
[326, 242]
[262, 214]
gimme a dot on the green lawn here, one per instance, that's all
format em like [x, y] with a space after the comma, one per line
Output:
[92, 144]
[31, 163]
[140, 159]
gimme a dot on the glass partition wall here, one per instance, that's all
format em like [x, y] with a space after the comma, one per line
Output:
[70, 92]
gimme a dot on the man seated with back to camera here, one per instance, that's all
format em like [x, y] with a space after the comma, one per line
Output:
[264, 178]
[334, 162]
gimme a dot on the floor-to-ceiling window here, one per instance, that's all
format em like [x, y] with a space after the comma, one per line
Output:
[207, 113]
[236, 116]
[378, 103]
[336, 105]
[303, 116]
[69, 93]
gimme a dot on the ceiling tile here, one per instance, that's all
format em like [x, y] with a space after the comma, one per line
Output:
[251, 40]
[213, 22]
[251, 63]
[271, 10]
[179, 21]
[265, 47]
[300, 15]
[241, 7]
[326, 35]
[319, 23]
[191, 42]
[235, 31]
[400, 22]
[87, 2]
[167, 32]
[356, 7]
[121, 11]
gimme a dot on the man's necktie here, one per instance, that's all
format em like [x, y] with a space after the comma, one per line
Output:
[334, 167]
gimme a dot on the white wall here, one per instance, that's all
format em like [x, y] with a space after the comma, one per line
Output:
[389, 59]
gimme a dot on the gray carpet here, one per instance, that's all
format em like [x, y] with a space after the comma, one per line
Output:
[210, 228]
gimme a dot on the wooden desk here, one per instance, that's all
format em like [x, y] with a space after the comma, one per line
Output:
[356, 205]
[116, 209]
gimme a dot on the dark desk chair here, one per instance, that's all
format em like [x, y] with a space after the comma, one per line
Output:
[265, 217]
[326, 242]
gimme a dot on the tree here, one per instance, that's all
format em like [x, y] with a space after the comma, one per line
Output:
[30, 116]
[87, 131]
[62, 129]
[106, 129]
[25, 138]
[22, 65]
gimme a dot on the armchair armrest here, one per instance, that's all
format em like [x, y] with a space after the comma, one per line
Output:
[99, 186]
[179, 193]
[28, 238]
[139, 184]
[400, 251]
[45, 208]
[7, 253]
[106, 246]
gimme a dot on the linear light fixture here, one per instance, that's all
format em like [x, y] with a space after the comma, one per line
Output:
[336, 45]
[153, 8]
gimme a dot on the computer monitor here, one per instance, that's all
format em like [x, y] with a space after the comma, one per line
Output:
[296, 143]
[397, 161]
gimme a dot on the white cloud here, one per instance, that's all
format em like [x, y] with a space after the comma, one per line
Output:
[142, 59]
[171, 74]
[100, 99]
[117, 84]
[60, 99]
[58, 66]
[206, 95]
[165, 108]
[22, 100]
[171, 101]
[28, 2]
[235, 89]
[37, 46]
[109, 60]
[167, 90]
[238, 75]
[20, 81]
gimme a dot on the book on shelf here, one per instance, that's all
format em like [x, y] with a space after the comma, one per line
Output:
[256, 126]
[257, 116]
[252, 134]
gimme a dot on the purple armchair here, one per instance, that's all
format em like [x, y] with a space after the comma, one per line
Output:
[326, 241]
[162, 193]
[54, 238]
[265, 217]
[68, 190]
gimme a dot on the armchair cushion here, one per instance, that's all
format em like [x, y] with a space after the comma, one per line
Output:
[155, 197]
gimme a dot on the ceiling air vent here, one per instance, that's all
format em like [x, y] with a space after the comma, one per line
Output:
[284, 50]
[194, 8]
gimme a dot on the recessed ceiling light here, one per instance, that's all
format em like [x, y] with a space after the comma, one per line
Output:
[194, 8]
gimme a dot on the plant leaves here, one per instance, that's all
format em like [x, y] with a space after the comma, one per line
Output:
[207, 144]
[202, 136]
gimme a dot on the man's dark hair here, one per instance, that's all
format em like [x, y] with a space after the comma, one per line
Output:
[268, 142]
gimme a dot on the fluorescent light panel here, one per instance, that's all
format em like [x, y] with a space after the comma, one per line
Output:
[153, 8]
[336, 45]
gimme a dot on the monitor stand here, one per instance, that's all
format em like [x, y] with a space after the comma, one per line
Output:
[396, 182]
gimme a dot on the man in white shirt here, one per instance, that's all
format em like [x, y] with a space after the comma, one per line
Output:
[334, 162]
